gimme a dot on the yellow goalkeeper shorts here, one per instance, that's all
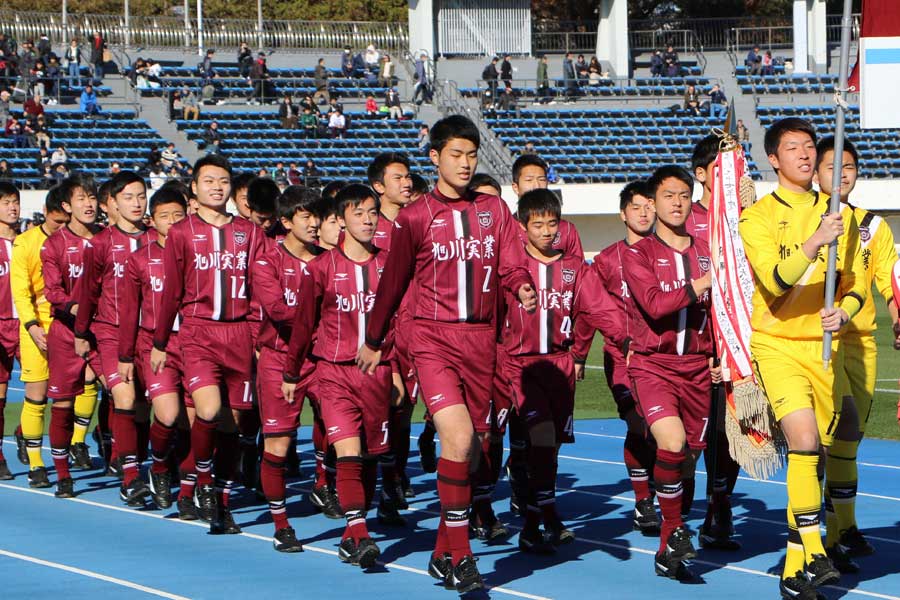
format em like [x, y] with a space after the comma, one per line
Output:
[860, 358]
[33, 360]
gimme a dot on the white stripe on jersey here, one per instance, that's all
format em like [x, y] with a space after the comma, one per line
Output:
[218, 304]
[461, 300]
[361, 315]
[873, 228]
[680, 260]
[9, 251]
[542, 287]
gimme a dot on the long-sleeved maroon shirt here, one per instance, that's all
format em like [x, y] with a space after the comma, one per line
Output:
[63, 264]
[668, 318]
[457, 253]
[7, 306]
[697, 223]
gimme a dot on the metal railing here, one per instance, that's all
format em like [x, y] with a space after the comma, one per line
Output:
[564, 41]
[781, 36]
[683, 40]
[170, 32]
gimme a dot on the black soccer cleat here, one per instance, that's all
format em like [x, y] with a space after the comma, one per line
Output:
[332, 507]
[666, 565]
[855, 542]
[465, 576]
[80, 457]
[22, 448]
[65, 488]
[224, 523]
[388, 514]
[186, 509]
[285, 540]
[560, 535]
[533, 541]
[440, 568]
[5, 473]
[114, 468]
[716, 532]
[679, 546]
[367, 553]
[398, 496]
[646, 520]
[427, 454]
[406, 486]
[494, 532]
[798, 588]
[134, 493]
[37, 478]
[161, 489]
[319, 496]
[347, 552]
[207, 502]
[821, 571]
[842, 560]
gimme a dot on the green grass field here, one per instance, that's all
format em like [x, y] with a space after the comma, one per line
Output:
[594, 401]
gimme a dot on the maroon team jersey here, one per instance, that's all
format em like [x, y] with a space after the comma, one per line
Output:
[383, 231]
[667, 318]
[567, 239]
[7, 306]
[207, 272]
[277, 276]
[62, 261]
[608, 264]
[142, 292]
[337, 299]
[567, 290]
[457, 253]
[101, 294]
[698, 222]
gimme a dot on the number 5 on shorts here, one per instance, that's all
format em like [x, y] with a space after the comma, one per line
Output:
[386, 432]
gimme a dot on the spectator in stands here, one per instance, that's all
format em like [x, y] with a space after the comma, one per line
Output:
[72, 62]
[154, 157]
[670, 60]
[692, 100]
[507, 100]
[768, 65]
[294, 175]
[371, 57]
[52, 76]
[288, 113]
[280, 175]
[6, 173]
[337, 124]
[371, 106]
[424, 140]
[212, 138]
[114, 169]
[490, 75]
[41, 132]
[753, 62]
[543, 81]
[44, 48]
[37, 78]
[244, 60]
[359, 65]
[582, 70]
[48, 180]
[262, 83]
[157, 177]
[347, 62]
[320, 80]
[98, 49]
[334, 106]
[154, 72]
[528, 149]
[506, 70]
[309, 122]
[27, 58]
[4, 109]
[392, 101]
[17, 132]
[386, 72]
[89, 106]
[169, 157]
[59, 156]
[43, 158]
[423, 85]
[60, 172]
[190, 104]
[657, 66]
[33, 107]
[743, 135]
[311, 175]
[718, 103]
[569, 78]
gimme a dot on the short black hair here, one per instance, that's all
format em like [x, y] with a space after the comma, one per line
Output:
[453, 127]
[419, 184]
[167, 195]
[332, 188]
[53, 200]
[353, 195]
[528, 160]
[121, 180]
[211, 160]
[538, 202]
[67, 188]
[8, 189]
[262, 195]
[827, 144]
[705, 152]
[103, 192]
[295, 198]
[379, 164]
[481, 179]
[328, 207]
[634, 188]
[179, 186]
[241, 181]
[777, 130]
[668, 172]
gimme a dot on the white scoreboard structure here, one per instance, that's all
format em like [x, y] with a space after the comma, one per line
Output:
[879, 80]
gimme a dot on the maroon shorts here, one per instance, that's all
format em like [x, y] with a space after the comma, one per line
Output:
[66, 368]
[355, 404]
[455, 365]
[171, 379]
[255, 328]
[543, 389]
[9, 347]
[501, 394]
[220, 354]
[667, 385]
[277, 415]
[401, 362]
[107, 336]
[617, 379]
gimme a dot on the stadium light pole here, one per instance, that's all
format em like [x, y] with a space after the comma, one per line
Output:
[259, 25]
[65, 20]
[200, 27]
[187, 24]
[127, 24]
[835, 201]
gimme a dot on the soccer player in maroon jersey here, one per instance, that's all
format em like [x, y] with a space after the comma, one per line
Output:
[277, 276]
[639, 449]
[240, 188]
[100, 304]
[336, 300]
[459, 250]
[140, 296]
[718, 528]
[207, 279]
[63, 258]
[389, 176]
[668, 277]
[9, 319]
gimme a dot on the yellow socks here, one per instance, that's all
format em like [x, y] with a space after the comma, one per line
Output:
[84, 411]
[795, 559]
[841, 476]
[805, 500]
[32, 421]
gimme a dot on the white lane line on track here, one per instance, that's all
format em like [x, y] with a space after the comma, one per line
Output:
[92, 575]
[399, 567]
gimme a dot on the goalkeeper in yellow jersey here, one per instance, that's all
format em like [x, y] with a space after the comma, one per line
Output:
[786, 235]
[843, 540]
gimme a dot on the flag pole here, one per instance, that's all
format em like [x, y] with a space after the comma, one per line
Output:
[840, 108]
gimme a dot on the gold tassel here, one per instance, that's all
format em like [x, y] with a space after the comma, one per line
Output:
[760, 455]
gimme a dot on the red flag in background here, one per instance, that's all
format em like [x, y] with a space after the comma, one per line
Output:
[880, 18]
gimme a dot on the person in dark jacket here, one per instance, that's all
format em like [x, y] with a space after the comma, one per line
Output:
[262, 84]
[569, 78]
[244, 59]
[506, 70]
[490, 76]
[98, 45]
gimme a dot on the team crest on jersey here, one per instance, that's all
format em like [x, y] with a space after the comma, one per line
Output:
[240, 238]
[864, 234]
[380, 271]
[568, 276]
[557, 239]
[704, 263]
[485, 218]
